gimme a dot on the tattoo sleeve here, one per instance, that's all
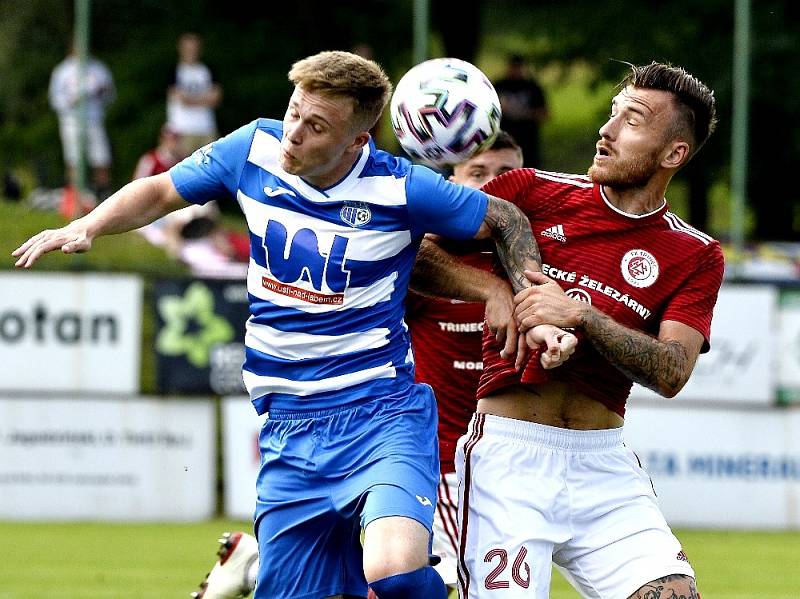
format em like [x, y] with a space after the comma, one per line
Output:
[661, 366]
[516, 247]
[674, 586]
[438, 273]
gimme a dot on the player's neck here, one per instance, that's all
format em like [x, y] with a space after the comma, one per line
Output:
[335, 175]
[636, 200]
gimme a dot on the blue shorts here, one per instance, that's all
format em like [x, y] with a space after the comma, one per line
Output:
[325, 475]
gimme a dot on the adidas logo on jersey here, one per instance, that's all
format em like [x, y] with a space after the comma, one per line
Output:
[555, 232]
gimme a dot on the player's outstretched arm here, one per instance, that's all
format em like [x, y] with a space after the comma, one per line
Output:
[516, 247]
[438, 273]
[135, 205]
[662, 364]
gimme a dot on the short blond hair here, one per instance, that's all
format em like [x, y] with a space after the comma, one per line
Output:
[344, 74]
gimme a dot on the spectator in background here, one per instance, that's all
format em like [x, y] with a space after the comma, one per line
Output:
[163, 157]
[524, 108]
[66, 93]
[193, 235]
[192, 96]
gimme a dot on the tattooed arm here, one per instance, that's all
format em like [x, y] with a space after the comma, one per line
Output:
[662, 364]
[516, 247]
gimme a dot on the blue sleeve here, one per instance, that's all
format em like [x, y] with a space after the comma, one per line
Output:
[437, 206]
[213, 171]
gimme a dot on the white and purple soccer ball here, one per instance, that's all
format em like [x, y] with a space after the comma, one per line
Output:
[444, 110]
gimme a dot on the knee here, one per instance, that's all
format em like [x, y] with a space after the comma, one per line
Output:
[385, 564]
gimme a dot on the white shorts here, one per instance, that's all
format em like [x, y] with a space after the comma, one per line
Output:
[445, 528]
[534, 494]
[98, 150]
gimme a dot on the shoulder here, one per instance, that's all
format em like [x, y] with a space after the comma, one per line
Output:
[692, 245]
[384, 164]
[686, 233]
[272, 127]
[544, 183]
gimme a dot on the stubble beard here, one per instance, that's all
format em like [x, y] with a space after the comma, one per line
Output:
[626, 174]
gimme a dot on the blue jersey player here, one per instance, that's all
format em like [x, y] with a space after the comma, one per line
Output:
[349, 444]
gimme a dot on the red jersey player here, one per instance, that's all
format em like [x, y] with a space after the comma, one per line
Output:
[446, 337]
[544, 471]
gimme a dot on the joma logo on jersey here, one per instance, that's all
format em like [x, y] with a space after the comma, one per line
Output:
[297, 263]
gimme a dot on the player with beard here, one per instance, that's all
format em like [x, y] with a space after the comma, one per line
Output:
[545, 473]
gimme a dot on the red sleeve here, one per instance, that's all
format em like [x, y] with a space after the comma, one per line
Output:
[511, 185]
[536, 193]
[694, 304]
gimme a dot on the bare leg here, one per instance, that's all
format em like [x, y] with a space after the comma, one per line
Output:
[674, 586]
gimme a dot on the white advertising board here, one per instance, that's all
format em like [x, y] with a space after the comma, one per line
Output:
[240, 428]
[106, 459]
[70, 332]
[741, 366]
[788, 335]
[726, 468]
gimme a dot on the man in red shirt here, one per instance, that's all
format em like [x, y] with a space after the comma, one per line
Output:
[446, 336]
[544, 471]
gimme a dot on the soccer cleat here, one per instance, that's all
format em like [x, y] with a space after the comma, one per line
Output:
[228, 578]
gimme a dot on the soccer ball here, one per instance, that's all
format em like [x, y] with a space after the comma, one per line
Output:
[444, 110]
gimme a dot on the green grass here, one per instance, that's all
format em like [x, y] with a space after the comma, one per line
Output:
[734, 565]
[128, 252]
[156, 561]
[109, 561]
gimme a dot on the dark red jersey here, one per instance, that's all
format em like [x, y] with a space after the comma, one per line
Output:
[638, 269]
[446, 338]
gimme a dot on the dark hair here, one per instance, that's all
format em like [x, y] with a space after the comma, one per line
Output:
[695, 100]
[504, 141]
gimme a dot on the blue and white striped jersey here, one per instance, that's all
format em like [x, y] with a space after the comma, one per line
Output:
[329, 268]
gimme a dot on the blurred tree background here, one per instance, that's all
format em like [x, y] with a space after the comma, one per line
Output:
[575, 46]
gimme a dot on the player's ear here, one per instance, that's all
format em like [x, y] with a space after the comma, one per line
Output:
[676, 154]
[361, 139]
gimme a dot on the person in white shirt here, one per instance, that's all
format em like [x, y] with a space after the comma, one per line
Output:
[192, 96]
[66, 93]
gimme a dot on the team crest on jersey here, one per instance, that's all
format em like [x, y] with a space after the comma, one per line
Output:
[639, 268]
[355, 214]
[579, 295]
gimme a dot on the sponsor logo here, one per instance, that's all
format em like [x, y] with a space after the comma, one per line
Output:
[558, 274]
[467, 365]
[302, 268]
[44, 326]
[579, 295]
[311, 297]
[555, 232]
[424, 500]
[682, 556]
[272, 192]
[461, 327]
[355, 214]
[639, 268]
[615, 294]
[191, 325]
